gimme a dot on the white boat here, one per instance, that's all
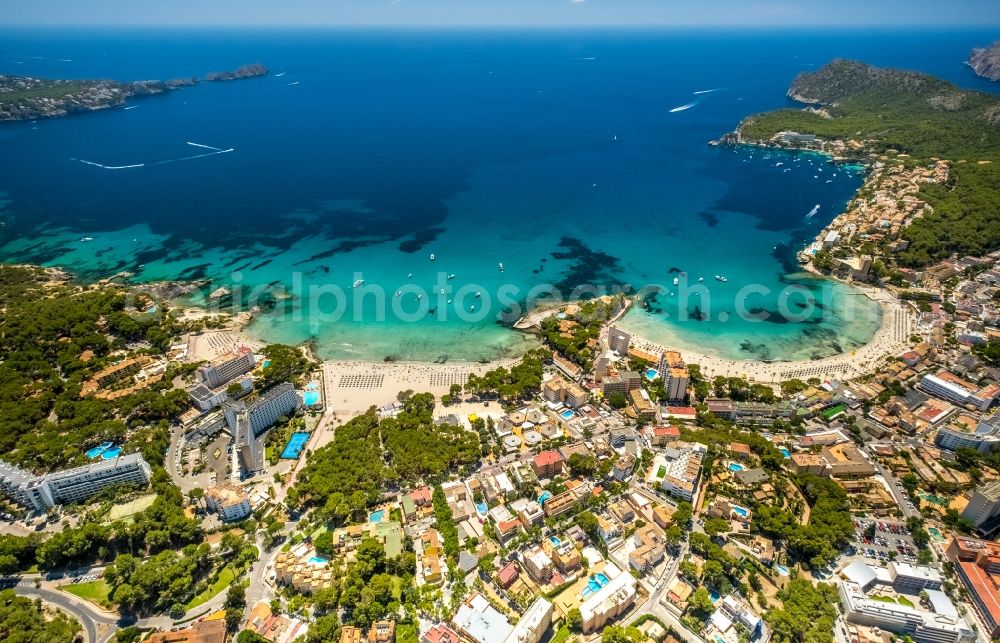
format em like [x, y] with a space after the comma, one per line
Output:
[701, 279]
[409, 276]
[442, 291]
[86, 238]
[451, 276]
[472, 308]
[358, 282]
[720, 278]
[676, 281]
[615, 138]
[501, 266]
[449, 301]
[419, 297]
[399, 293]
[432, 256]
[478, 294]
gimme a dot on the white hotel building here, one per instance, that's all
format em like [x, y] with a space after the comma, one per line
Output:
[38, 493]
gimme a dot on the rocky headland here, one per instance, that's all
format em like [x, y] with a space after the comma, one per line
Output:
[985, 61]
[25, 98]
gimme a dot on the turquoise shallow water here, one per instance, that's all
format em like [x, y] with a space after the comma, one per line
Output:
[556, 154]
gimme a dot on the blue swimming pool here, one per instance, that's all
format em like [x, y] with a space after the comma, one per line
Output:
[714, 595]
[318, 560]
[545, 495]
[782, 570]
[736, 466]
[95, 452]
[741, 511]
[652, 374]
[567, 414]
[785, 453]
[595, 583]
[555, 541]
[482, 507]
[111, 454]
[265, 363]
[295, 445]
[376, 516]
[310, 398]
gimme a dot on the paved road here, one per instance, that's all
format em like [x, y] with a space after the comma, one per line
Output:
[902, 500]
[76, 608]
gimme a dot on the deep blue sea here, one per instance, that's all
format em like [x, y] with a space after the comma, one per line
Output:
[571, 157]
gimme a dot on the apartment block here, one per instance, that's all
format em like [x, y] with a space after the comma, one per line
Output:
[38, 493]
[226, 368]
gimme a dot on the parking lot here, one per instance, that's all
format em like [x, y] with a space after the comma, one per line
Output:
[890, 536]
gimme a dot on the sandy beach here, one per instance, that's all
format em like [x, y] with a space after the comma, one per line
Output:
[351, 387]
[891, 339]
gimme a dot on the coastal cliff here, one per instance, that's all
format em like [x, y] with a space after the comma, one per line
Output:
[24, 98]
[985, 61]
[933, 156]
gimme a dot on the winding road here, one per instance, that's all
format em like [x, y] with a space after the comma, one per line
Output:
[88, 616]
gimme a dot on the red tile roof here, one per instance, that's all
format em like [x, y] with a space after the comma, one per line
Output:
[983, 586]
[546, 458]
[441, 634]
[508, 574]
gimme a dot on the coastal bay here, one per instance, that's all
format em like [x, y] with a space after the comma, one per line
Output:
[616, 190]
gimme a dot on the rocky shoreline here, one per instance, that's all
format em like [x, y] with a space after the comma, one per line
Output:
[24, 98]
[985, 61]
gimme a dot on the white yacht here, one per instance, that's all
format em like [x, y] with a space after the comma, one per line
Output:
[358, 282]
[676, 281]
[432, 256]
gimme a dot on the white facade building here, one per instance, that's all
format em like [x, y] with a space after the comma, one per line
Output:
[226, 368]
[38, 493]
[229, 502]
[943, 625]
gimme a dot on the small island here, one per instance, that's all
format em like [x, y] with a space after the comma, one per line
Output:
[23, 98]
[985, 61]
[246, 71]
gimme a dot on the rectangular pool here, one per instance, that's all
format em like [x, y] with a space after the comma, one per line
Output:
[376, 516]
[567, 414]
[295, 445]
